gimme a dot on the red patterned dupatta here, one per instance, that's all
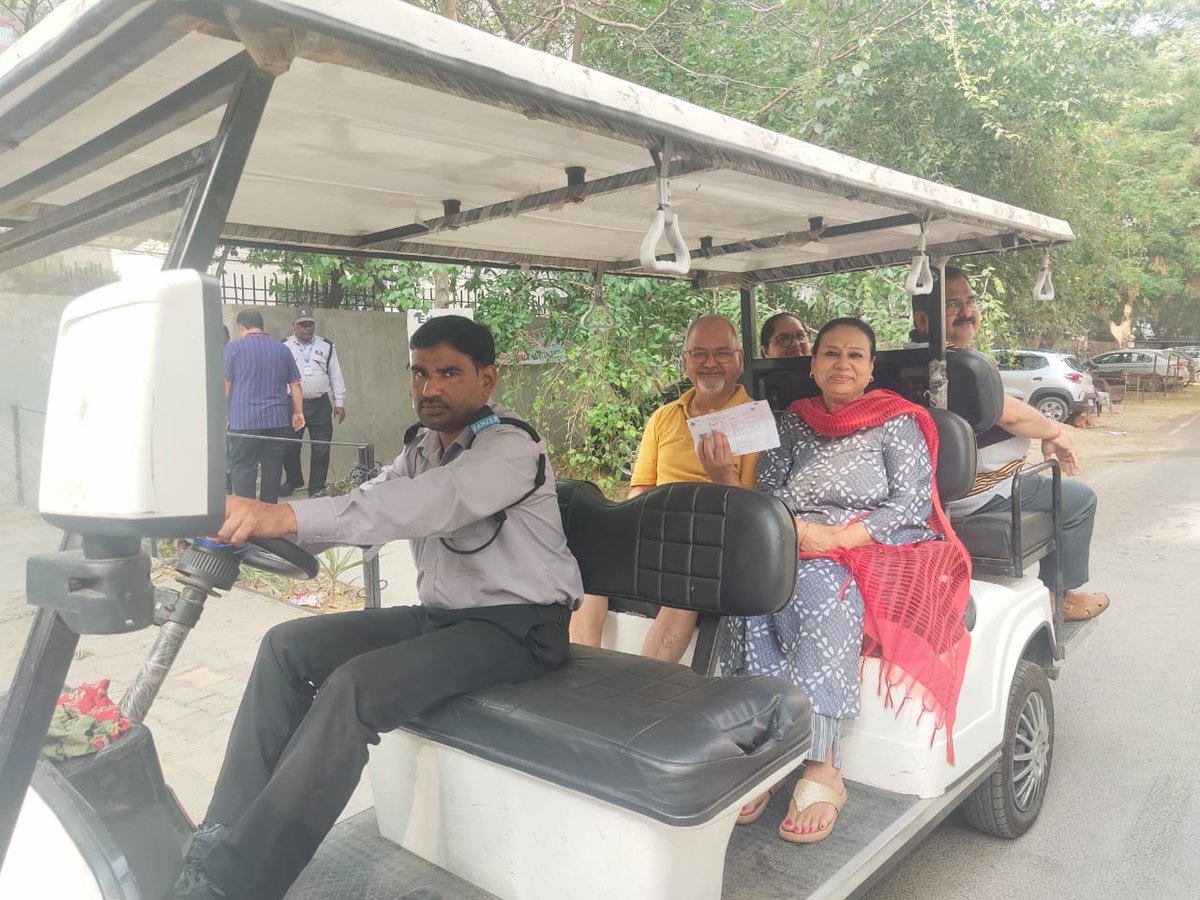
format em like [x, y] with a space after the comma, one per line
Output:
[914, 594]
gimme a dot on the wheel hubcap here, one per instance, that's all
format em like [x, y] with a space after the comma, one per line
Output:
[1031, 752]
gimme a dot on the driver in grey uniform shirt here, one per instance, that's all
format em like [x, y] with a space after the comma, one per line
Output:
[497, 584]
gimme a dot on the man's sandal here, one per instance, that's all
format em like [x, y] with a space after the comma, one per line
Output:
[809, 793]
[760, 804]
[1078, 606]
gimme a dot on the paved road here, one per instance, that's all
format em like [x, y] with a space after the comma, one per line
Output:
[1122, 813]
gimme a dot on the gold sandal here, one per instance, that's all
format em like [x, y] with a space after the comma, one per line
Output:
[809, 793]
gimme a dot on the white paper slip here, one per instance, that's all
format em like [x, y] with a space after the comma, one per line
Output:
[750, 427]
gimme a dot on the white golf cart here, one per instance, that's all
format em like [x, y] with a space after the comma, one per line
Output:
[375, 128]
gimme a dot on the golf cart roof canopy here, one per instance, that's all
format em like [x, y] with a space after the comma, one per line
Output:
[391, 131]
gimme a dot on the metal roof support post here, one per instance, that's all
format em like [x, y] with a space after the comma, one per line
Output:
[749, 326]
[208, 204]
[938, 395]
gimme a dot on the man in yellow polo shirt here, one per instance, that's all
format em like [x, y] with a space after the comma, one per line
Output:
[667, 454]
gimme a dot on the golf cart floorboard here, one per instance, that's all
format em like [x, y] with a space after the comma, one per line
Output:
[759, 865]
[354, 861]
[1075, 633]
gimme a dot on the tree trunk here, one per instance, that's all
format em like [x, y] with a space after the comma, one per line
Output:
[337, 290]
[1123, 332]
[450, 9]
[577, 39]
[441, 288]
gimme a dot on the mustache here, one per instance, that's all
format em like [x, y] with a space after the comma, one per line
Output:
[963, 320]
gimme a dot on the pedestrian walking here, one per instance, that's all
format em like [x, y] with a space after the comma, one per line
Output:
[262, 389]
[324, 392]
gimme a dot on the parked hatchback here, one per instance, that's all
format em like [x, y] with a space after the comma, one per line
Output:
[1154, 366]
[1055, 384]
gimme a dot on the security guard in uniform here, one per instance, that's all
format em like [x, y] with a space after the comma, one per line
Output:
[497, 585]
[324, 400]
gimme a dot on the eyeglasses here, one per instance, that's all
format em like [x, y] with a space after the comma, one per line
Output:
[955, 305]
[723, 355]
[790, 339]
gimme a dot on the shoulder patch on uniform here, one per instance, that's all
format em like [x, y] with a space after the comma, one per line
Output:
[486, 422]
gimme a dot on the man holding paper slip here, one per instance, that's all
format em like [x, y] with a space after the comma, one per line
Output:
[675, 449]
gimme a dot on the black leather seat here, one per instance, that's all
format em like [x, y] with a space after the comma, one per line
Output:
[1007, 541]
[645, 735]
[649, 736]
[991, 536]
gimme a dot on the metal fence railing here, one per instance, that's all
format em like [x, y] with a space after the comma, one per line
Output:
[270, 290]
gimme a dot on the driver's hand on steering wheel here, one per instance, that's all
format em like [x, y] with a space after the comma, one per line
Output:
[246, 518]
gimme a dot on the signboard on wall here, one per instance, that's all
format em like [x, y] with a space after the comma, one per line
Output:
[418, 317]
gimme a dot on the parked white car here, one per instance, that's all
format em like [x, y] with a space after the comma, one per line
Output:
[1055, 384]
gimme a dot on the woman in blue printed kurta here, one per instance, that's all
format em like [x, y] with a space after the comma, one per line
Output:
[880, 477]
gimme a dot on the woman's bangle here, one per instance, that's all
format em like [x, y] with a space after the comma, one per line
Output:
[803, 535]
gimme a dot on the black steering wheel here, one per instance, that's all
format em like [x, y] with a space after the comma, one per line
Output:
[281, 557]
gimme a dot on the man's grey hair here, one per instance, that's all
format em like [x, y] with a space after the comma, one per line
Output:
[714, 317]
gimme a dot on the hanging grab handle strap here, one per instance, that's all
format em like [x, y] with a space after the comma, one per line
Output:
[920, 275]
[1043, 288]
[599, 316]
[664, 220]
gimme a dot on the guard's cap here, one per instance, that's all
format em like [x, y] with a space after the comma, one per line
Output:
[304, 315]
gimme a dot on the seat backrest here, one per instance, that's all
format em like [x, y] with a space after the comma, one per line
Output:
[782, 381]
[956, 454]
[709, 548]
[974, 388]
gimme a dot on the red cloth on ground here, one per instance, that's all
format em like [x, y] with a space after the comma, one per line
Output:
[914, 595]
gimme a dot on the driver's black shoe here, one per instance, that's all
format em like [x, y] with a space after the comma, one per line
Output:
[286, 489]
[206, 836]
[194, 884]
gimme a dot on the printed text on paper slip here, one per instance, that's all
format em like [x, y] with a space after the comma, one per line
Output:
[750, 427]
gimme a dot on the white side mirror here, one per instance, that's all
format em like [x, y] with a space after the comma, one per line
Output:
[135, 423]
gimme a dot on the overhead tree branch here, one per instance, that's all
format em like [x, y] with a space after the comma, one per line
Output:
[502, 17]
[848, 50]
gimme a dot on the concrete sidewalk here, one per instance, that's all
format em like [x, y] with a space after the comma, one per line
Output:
[193, 714]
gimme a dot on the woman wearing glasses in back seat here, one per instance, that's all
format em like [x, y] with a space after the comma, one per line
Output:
[784, 335]
[880, 574]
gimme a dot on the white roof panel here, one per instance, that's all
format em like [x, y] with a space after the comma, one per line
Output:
[384, 111]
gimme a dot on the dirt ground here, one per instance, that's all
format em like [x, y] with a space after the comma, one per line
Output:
[1136, 429]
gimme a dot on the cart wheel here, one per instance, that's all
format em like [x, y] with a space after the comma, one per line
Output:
[1008, 803]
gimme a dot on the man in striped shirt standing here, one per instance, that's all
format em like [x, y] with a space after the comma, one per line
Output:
[262, 389]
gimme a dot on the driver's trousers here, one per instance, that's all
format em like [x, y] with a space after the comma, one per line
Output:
[325, 687]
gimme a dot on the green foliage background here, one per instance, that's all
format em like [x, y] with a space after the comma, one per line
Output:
[1088, 110]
